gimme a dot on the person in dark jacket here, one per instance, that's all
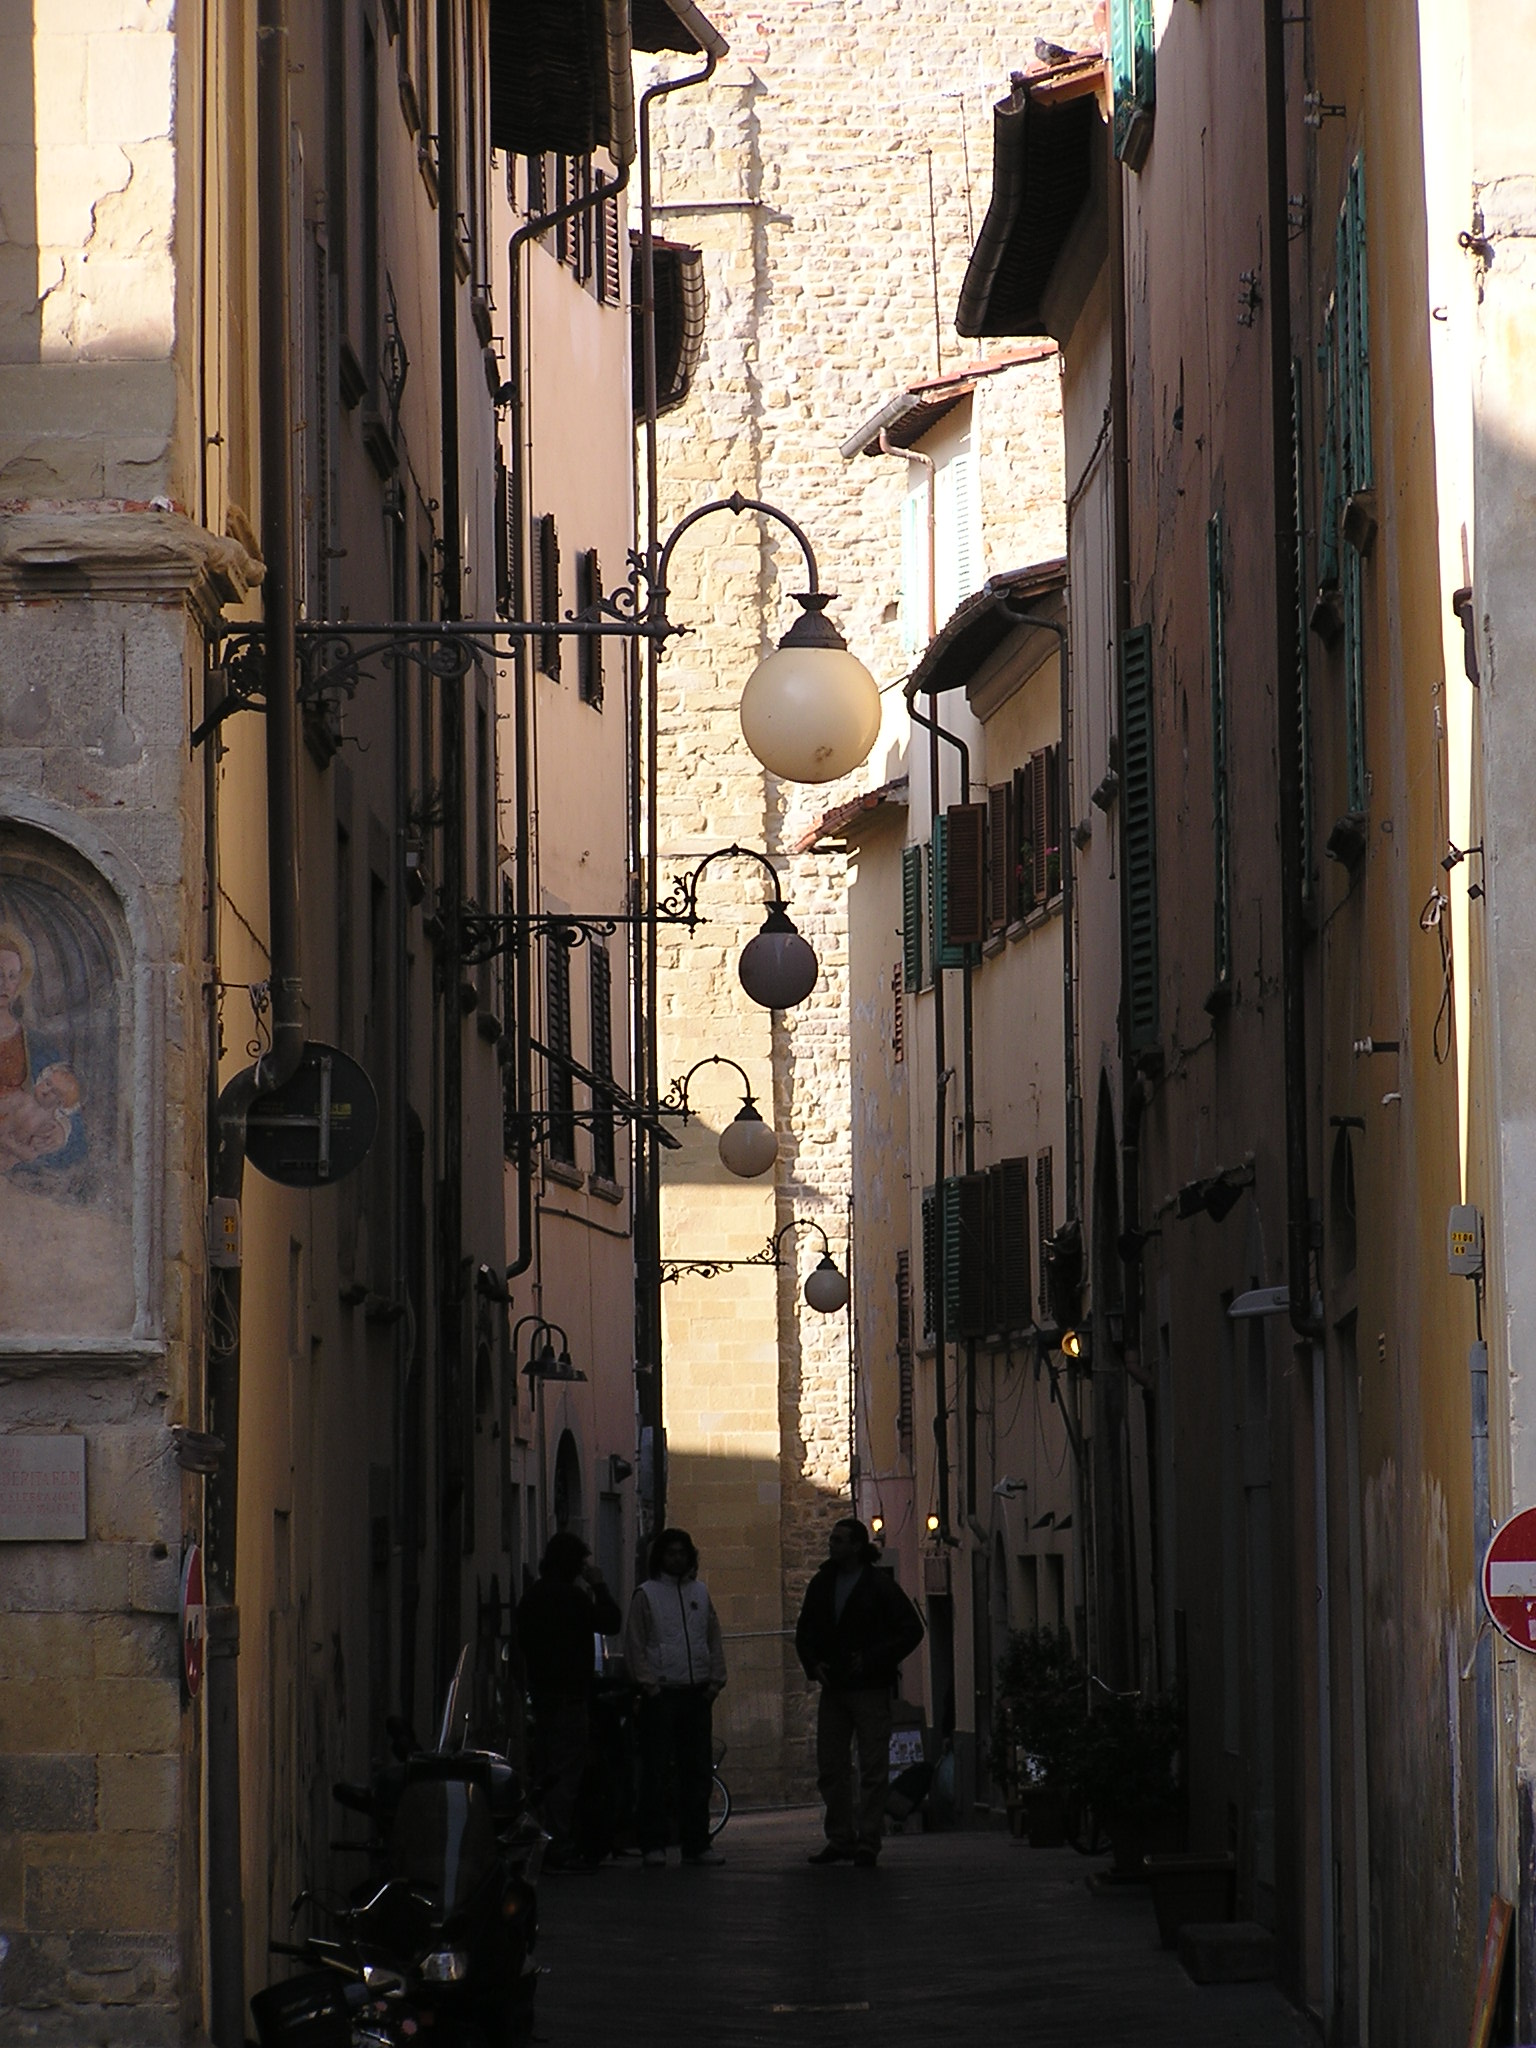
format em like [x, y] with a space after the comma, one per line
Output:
[557, 1619]
[855, 1627]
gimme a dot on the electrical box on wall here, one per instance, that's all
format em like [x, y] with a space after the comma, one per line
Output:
[224, 1232]
[1464, 1242]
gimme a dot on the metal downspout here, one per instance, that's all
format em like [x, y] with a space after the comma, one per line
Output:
[647, 766]
[226, 1929]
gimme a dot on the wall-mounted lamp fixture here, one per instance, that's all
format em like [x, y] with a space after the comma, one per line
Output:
[748, 1146]
[826, 1288]
[778, 968]
[545, 1364]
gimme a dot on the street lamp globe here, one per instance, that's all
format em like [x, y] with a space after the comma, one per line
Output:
[748, 1146]
[778, 968]
[827, 1289]
[811, 710]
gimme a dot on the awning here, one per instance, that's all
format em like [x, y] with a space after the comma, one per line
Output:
[1044, 137]
[843, 820]
[560, 78]
[680, 315]
[982, 624]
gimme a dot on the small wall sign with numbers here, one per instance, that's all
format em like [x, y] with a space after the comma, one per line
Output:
[42, 1489]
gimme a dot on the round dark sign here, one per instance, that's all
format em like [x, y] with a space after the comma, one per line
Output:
[317, 1127]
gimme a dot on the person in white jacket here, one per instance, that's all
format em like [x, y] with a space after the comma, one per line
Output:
[675, 1656]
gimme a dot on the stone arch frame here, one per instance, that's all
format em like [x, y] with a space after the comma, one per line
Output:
[126, 901]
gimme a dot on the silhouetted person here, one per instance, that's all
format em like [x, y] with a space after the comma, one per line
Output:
[557, 1619]
[855, 1627]
[675, 1656]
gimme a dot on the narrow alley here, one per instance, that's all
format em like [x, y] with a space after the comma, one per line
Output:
[957, 1939]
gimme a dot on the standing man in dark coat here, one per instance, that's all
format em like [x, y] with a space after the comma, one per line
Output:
[855, 1627]
[556, 1620]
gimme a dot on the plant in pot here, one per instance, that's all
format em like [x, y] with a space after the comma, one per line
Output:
[1038, 1723]
[1129, 1773]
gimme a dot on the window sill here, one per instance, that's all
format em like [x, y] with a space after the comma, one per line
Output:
[565, 1171]
[605, 1190]
[993, 944]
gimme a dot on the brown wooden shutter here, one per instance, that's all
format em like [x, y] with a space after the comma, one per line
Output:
[1023, 842]
[965, 880]
[1000, 856]
[1045, 1223]
[589, 649]
[546, 591]
[1052, 820]
[904, 1352]
[1039, 822]
[502, 539]
[1008, 1189]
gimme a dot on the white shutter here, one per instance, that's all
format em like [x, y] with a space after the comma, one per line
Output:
[914, 563]
[946, 580]
[967, 517]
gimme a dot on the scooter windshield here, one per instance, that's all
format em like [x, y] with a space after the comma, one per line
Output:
[444, 1840]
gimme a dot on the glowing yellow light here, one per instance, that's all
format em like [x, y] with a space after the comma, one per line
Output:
[1071, 1345]
[877, 1523]
[933, 1525]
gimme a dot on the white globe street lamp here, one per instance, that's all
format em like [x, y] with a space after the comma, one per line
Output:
[748, 1147]
[811, 710]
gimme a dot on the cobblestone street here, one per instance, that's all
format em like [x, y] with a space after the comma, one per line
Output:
[958, 1939]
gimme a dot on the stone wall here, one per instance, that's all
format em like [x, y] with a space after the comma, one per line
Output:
[803, 172]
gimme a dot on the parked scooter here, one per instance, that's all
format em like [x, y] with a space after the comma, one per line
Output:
[444, 1939]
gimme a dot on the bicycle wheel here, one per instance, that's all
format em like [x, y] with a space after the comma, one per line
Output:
[719, 1805]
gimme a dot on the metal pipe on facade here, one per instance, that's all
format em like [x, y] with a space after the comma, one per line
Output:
[226, 1929]
[647, 1150]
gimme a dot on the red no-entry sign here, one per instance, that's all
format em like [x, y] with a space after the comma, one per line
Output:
[194, 1619]
[1509, 1580]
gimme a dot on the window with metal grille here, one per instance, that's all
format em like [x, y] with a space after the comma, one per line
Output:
[559, 1092]
[904, 1352]
[600, 969]
[1045, 1224]
[546, 592]
[1133, 71]
[589, 649]
[1140, 829]
[898, 1016]
[1221, 800]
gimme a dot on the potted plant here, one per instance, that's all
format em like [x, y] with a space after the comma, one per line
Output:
[1037, 1729]
[1129, 1773]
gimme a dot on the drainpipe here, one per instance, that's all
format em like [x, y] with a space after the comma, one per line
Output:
[226, 1929]
[644, 966]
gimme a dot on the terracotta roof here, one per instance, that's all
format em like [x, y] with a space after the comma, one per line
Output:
[832, 822]
[914, 412]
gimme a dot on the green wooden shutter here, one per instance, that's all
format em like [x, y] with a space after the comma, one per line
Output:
[1354, 678]
[1140, 828]
[933, 1287]
[1352, 294]
[912, 948]
[1221, 802]
[1328, 452]
[1303, 714]
[1133, 67]
[964, 1212]
[946, 953]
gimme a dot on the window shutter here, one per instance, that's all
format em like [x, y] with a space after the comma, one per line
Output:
[965, 875]
[1039, 829]
[546, 592]
[946, 951]
[967, 525]
[1000, 855]
[1023, 841]
[1328, 451]
[914, 568]
[511, 1132]
[1052, 767]
[904, 1352]
[1045, 1223]
[1140, 828]
[1133, 48]
[559, 1092]
[1354, 676]
[502, 540]
[912, 917]
[965, 1256]
[898, 1017]
[589, 649]
[1221, 817]
[600, 971]
[1303, 714]
[1009, 1234]
[946, 577]
[610, 259]
[933, 1293]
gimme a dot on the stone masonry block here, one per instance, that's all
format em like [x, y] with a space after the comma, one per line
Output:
[138, 1793]
[53, 1643]
[136, 1646]
[39, 1715]
[118, 1883]
[34, 1970]
[129, 1715]
[48, 1794]
[52, 1578]
[132, 1486]
[98, 2026]
[113, 1969]
[128, 87]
